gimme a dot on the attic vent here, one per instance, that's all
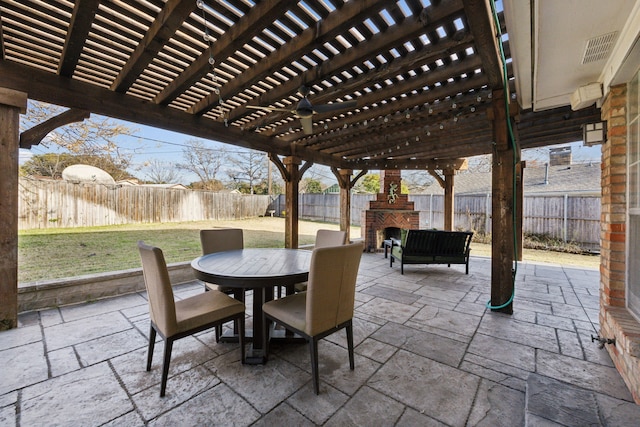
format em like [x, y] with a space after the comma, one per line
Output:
[598, 48]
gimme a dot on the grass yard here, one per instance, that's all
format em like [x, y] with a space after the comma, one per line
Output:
[46, 254]
[56, 253]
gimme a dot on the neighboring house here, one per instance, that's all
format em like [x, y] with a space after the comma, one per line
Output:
[573, 178]
[332, 189]
[128, 182]
[171, 186]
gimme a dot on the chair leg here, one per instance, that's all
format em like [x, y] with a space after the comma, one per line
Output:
[152, 343]
[218, 329]
[168, 346]
[313, 350]
[349, 329]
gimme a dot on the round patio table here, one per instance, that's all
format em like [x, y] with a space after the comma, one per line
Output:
[259, 269]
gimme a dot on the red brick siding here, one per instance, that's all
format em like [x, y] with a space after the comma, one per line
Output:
[615, 320]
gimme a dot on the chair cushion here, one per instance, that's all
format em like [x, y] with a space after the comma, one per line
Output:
[290, 310]
[205, 308]
[403, 236]
[223, 289]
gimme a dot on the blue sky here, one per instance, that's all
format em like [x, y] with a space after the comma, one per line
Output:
[146, 143]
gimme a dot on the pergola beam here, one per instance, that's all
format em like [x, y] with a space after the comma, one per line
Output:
[168, 21]
[34, 135]
[309, 39]
[247, 27]
[84, 11]
[412, 27]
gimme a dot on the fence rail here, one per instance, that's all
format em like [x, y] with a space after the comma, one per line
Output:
[56, 204]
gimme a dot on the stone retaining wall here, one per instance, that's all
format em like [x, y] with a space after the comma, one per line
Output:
[53, 293]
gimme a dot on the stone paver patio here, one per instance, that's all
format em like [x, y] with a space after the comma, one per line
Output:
[428, 353]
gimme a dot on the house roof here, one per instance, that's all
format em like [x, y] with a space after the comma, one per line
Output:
[171, 186]
[573, 178]
[426, 76]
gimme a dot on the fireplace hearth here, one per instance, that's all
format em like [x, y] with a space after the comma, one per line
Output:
[388, 213]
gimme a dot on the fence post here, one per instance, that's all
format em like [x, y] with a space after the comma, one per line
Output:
[487, 206]
[431, 210]
[566, 218]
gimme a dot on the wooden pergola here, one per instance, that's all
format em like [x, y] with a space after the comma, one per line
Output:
[432, 83]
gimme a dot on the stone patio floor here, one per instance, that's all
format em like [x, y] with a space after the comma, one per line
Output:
[428, 353]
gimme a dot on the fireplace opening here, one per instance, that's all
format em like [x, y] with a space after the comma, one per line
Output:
[387, 233]
[390, 232]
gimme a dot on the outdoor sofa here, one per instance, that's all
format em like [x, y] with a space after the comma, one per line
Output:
[431, 247]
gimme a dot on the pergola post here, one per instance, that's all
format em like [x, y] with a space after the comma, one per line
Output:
[448, 198]
[12, 104]
[344, 182]
[503, 205]
[292, 184]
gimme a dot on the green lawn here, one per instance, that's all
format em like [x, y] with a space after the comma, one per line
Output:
[56, 253]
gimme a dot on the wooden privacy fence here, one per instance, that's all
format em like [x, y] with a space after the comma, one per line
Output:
[569, 218]
[53, 204]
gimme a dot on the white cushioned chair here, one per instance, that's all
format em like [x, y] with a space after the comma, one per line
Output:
[327, 305]
[219, 240]
[324, 239]
[172, 319]
[327, 238]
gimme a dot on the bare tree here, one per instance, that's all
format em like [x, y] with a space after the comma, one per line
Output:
[204, 162]
[92, 139]
[416, 181]
[159, 172]
[248, 166]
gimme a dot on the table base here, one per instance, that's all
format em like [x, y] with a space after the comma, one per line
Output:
[257, 356]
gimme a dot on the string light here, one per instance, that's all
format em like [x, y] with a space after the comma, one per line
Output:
[207, 38]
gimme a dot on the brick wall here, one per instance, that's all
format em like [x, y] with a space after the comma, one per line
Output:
[615, 321]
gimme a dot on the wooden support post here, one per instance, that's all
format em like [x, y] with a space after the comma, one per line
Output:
[12, 104]
[292, 185]
[448, 198]
[344, 182]
[503, 203]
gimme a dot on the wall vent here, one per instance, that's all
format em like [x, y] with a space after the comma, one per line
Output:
[598, 48]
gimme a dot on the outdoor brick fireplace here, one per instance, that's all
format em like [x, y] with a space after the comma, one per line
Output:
[388, 213]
